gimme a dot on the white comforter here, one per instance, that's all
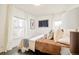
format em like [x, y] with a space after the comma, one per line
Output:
[32, 42]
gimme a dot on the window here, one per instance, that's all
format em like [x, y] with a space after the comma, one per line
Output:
[57, 24]
[17, 31]
[18, 27]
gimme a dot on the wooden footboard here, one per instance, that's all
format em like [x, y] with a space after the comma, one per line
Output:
[47, 46]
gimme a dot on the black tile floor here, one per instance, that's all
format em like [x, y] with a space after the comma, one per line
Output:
[15, 51]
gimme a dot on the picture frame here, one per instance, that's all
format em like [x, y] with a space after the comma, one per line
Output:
[32, 24]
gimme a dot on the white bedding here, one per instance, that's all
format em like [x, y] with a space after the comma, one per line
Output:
[32, 42]
[64, 51]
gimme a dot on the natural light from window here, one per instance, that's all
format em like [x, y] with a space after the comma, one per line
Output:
[57, 24]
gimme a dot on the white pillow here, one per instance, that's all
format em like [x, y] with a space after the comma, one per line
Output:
[58, 34]
[63, 37]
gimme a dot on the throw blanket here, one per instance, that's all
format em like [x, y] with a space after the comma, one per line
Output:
[32, 44]
[24, 44]
[29, 43]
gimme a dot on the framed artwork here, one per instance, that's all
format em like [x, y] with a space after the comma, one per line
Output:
[32, 24]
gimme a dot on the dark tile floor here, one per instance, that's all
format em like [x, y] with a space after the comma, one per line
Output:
[15, 51]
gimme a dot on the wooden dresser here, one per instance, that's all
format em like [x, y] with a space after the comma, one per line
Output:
[48, 46]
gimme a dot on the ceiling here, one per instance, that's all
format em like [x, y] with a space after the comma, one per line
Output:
[46, 9]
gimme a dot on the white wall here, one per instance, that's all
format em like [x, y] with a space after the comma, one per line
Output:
[44, 30]
[37, 31]
[3, 13]
[71, 19]
[31, 32]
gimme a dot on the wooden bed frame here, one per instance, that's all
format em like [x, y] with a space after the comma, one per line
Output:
[49, 46]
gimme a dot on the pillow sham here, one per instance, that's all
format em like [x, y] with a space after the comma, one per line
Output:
[58, 34]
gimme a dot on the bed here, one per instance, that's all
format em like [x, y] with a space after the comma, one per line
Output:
[44, 45]
[49, 46]
[59, 45]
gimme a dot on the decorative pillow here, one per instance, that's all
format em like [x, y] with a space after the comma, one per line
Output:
[66, 36]
[50, 35]
[58, 34]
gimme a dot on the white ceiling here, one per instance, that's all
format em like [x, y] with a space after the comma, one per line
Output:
[46, 9]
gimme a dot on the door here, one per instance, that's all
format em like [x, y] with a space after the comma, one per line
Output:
[18, 29]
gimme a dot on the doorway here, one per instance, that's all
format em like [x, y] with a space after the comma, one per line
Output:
[18, 30]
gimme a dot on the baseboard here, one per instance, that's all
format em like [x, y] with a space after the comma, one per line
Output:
[2, 50]
[10, 49]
